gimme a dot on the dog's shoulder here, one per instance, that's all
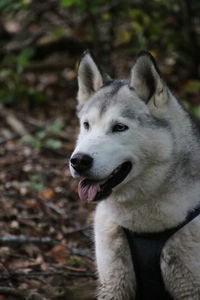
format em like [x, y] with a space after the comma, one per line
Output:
[186, 238]
[180, 259]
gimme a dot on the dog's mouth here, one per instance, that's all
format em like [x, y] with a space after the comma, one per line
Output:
[91, 190]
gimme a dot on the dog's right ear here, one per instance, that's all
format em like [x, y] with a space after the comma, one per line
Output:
[146, 80]
[90, 78]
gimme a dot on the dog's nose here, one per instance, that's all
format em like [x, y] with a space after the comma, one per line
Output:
[81, 162]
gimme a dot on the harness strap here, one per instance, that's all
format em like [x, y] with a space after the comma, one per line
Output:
[145, 251]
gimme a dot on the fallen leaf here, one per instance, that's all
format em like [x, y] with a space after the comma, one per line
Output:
[31, 204]
[60, 254]
[47, 194]
[25, 264]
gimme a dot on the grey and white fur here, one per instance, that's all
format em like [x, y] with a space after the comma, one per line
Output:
[162, 144]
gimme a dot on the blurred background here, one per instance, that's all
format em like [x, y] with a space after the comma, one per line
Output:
[45, 232]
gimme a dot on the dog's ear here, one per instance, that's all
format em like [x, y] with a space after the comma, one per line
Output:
[90, 78]
[145, 79]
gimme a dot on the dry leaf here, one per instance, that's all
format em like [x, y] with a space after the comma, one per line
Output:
[31, 204]
[60, 254]
[47, 194]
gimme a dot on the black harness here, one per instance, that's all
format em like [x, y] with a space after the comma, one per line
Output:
[145, 251]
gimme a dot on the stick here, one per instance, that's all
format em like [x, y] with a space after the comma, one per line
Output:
[64, 273]
[30, 275]
[13, 121]
[21, 239]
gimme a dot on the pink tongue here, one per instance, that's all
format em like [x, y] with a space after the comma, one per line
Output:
[87, 190]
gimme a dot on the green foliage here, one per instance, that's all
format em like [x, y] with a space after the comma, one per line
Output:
[23, 59]
[56, 127]
[193, 86]
[10, 6]
[83, 6]
[58, 32]
[42, 225]
[12, 86]
[35, 183]
[32, 141]
[166, 28]
[41, 138]
[147, 21]
[38, 141]
[195, 110]
[75, 262]
[53, 144]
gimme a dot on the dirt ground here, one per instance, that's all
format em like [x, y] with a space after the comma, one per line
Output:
[45, 231]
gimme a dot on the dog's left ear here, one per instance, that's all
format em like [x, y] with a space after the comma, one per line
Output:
[90, 78]
[146, 81]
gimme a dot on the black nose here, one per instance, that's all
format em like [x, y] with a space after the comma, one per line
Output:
[81, 162]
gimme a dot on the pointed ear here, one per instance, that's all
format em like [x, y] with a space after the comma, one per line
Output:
[90, 78]
[145, 79]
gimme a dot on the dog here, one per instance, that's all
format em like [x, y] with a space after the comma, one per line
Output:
[138, 157]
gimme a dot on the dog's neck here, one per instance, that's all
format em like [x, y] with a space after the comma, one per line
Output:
[153, 212]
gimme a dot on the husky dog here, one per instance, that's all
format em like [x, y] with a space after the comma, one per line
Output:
[138, 157]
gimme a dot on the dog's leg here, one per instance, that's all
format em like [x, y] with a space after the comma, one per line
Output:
[180, 282]
[114, 264]
[180, 265]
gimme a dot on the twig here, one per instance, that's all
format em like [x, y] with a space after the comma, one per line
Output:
[64, 273]
[14, 122]
[81, 252]
[16, 136]
[21, 239]
[16, 46]
[55, 208]
[77, 230]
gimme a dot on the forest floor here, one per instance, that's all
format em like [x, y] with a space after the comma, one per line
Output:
[45, 231]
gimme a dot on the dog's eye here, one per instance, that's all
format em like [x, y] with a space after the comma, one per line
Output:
[86, 125]
[119, 127]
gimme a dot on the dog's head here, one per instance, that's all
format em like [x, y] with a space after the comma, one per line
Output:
[123, 127]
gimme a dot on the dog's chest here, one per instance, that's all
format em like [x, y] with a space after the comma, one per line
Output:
[146, 250]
